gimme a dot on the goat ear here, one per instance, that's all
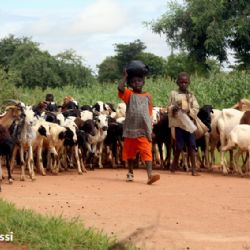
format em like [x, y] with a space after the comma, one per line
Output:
[61, 135]
[42, 131]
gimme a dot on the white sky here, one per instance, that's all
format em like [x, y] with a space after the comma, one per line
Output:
[90, 27]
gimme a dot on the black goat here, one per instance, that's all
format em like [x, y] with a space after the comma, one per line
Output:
[69, 105]
[71, 112]
[82, 140]
[6, 148]
[86, 107]
[205, 116]
[162, 136]
[114, 141]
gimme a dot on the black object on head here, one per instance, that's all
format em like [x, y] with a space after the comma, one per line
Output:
[136, 68]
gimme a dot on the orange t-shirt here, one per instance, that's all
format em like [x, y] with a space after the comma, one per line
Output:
[138, 122]
[125, 96]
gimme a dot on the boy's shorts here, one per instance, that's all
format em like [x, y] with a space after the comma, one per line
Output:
[132, 146]
[183, 138]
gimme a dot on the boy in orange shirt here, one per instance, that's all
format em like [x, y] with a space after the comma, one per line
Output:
[137, 129]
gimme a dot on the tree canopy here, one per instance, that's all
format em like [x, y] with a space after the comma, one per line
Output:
[33, 67]
[111, 68]
[207, 29]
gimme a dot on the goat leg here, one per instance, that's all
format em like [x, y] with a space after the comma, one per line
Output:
[31, 163]
[40, 160]
[8, 169]
[22, 178]
[1, 174]
[76, 155]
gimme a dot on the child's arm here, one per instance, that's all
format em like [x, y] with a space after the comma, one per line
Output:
[121, 85]
[123, 92]
[172, 106]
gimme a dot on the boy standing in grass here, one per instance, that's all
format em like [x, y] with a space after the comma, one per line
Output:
[137, 129]
[183, 104]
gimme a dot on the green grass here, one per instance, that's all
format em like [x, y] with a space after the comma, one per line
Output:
[43, 232]
[221, 90]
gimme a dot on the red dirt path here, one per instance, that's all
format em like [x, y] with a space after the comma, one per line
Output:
[180, 211]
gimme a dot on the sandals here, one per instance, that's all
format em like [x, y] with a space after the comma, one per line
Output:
[153, 179]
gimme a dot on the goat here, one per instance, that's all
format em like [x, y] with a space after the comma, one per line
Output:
[114, 140]
[239, 137]
[97, 131]
[70, 123]
[11, 114]
[214, 137]
[30, 137]
[39, 108]
[242, 105]
[227, 120]
[6, 148]
[204, 115]
[103, 108]
[69, 103]
[162, 136]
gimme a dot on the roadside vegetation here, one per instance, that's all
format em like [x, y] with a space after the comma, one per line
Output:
[222, 90]
[35, 231]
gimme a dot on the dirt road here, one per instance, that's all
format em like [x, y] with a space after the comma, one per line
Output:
[180, 211]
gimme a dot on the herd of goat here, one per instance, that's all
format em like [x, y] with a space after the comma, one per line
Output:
[40, 138]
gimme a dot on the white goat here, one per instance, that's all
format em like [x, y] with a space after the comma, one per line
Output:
[239, 138]
[27, 136]
[227, 120]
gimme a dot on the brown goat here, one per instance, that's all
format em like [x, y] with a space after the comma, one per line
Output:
[11, 114]
[242, 105]
[245, 119]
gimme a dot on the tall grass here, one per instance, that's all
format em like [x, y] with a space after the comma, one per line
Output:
[221, 90]
[54, 233]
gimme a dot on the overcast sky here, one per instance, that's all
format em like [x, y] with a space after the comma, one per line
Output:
[90, 27]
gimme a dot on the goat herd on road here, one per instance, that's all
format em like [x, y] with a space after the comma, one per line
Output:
[39, 138]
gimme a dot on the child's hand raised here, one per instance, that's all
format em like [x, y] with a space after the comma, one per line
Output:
[125, 73]
[121, 85]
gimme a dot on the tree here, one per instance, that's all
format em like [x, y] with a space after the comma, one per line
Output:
[239, 40]
[206, 28]
[111, 68]
[176, 64]
[108, 70]
[33, 67]
[157, 64]
[128, 52]
[71, 69]
[38, 70]
[7, 84]
[9, 47]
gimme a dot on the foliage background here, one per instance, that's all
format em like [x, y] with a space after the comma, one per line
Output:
[221, 90]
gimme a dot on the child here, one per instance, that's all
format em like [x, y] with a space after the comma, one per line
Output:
[137, 127]
[182, 103]
[51, 105]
